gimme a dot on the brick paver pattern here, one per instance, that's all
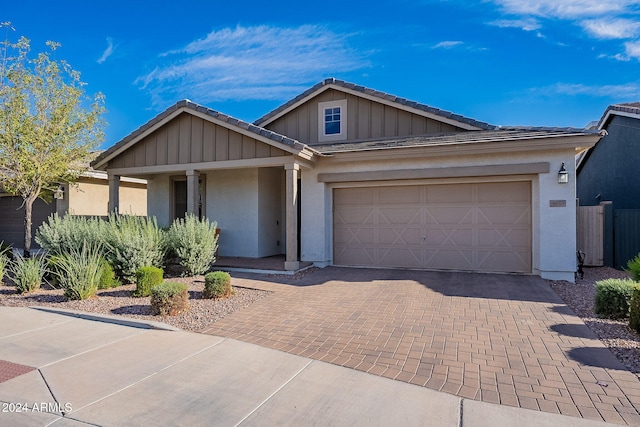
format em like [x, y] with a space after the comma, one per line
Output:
[502, 339]
[9, 370]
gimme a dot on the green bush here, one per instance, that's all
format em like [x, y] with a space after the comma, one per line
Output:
[60, 235]
[613, 297]
[147, 277]
[4, 263]
[107, 276]
[6, 250]
[217, 284]
[28, 273]
[169, 299]
[634, 268]
[133, 242]
[634, 310]
[78, 271]
[195, 242]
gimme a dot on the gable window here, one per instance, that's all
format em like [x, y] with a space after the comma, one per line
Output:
[332, 120]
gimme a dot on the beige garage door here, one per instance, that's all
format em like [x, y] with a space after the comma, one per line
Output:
[474, 227]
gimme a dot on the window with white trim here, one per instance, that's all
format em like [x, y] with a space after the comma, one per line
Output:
[332, 120]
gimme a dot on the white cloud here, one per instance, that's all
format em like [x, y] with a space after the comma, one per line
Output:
[108, 51]
[263, 62]
[527, 24]
[632, 49]
[566, 9]
[611, 28]
[447, 44]
[624, 91]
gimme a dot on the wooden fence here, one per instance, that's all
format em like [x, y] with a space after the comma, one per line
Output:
[590, 234]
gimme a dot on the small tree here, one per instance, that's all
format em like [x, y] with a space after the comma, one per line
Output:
[48, 126]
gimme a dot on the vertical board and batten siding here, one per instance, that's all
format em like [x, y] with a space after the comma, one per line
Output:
[590, 234]
[366, 119]
[626, 226]
[190, 139]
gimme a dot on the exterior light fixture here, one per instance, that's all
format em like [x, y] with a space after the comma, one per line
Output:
[58, 193]
[563, 175]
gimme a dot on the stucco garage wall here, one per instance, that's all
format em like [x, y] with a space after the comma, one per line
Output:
[553, 240]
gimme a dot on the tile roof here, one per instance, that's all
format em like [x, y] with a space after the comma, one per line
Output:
[377, 94]
[499, 134]
[630, 108]
[189, 105]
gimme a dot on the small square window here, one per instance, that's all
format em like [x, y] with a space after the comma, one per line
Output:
[332, 120]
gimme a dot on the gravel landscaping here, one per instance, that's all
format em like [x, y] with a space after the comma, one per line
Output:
[119, 301]
[615, 334]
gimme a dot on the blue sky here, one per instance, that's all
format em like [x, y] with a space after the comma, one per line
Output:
[506, 62]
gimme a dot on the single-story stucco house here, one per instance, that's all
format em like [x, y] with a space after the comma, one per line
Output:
[346, 175]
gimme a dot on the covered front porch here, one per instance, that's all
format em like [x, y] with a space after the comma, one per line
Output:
[197, 161]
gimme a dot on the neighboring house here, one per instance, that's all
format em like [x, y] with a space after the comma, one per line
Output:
[345, 175]
[88, 196]
[608, 173]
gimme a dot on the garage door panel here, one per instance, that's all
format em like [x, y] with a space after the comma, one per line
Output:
[456, 193]
[391, 196]
[473, 226]
[399, 257]
[400, 215]
[449, 215]
[505, 214]
[355, 216]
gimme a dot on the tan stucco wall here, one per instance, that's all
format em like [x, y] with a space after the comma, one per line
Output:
[91, 197]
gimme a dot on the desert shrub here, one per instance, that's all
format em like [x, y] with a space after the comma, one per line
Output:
[169, 299]
[634, 310]
[613, 297]
[107, 276]
[28, 273]
[133, 242]
[79, 270]
[6, 250]
[60, 235]
[147, 277]
[633, 266]
[217, 284]
[194, 241]
[4, 263]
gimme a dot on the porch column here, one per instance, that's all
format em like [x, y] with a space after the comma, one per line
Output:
[192, 191]
[291, 261]
[114, 193]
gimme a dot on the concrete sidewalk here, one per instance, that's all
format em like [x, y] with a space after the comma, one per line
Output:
[64, 370]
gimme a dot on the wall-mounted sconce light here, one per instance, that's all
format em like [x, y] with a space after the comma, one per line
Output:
[563, 175]
[58, 194]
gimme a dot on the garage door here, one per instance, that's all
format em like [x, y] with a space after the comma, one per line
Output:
[475, 227]
[12, 219]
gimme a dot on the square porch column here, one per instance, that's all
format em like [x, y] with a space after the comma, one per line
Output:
[291, 262]
[192, 192]
[114, 193]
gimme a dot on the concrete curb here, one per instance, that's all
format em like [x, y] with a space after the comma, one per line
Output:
[134, 323]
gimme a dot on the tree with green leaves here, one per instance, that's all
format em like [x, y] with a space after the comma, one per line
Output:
[49, 127]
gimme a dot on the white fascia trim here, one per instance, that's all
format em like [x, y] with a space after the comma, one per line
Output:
[605, 119]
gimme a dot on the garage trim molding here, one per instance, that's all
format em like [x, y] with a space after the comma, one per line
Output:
[450, 172]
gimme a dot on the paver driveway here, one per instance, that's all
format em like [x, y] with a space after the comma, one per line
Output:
[497, 338]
